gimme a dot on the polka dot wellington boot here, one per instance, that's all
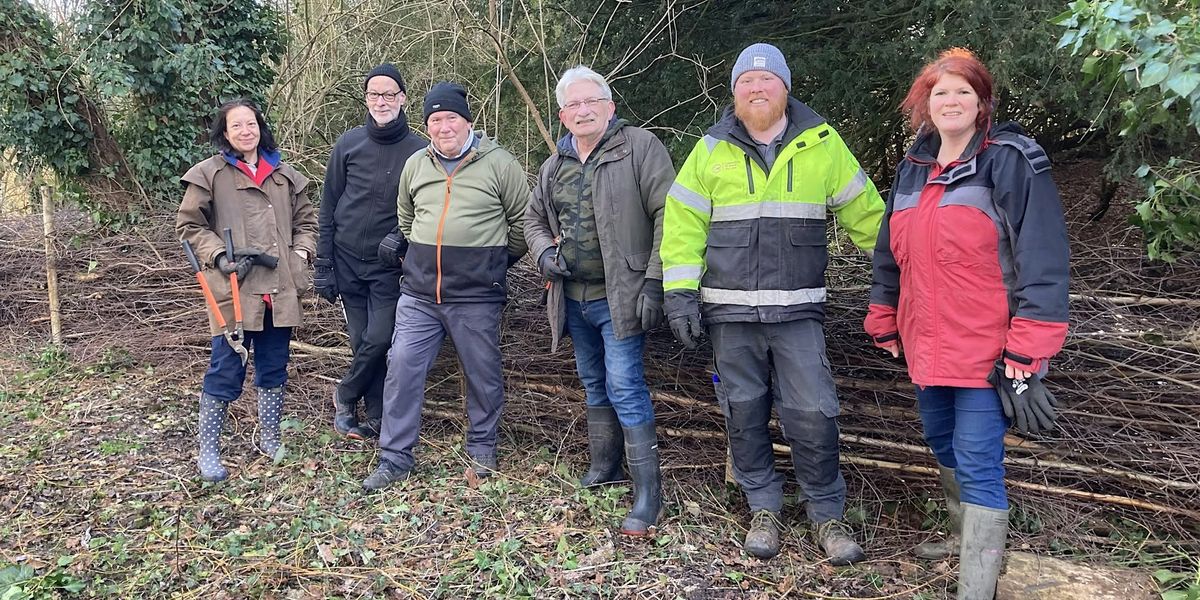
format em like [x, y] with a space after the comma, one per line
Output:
[212, 419]
[270, 407]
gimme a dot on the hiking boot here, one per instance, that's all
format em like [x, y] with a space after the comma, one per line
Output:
[384, 475]
[834, 538]
[270, 407]
[948, 547]
[345, 413]
[367, 430]
[982, 552]
[641, 450]
[606, 445]
[762, 541]
[212, 419]
[484, 465]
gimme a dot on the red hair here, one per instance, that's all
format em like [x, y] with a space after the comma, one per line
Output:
[957, 61]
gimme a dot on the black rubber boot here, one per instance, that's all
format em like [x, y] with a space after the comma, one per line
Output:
[369, 428]
[641, 451]
[270, 409]
[606, 443]
[345, 413]
[212, 419]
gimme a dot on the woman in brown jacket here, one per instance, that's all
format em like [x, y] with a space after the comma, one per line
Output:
[247, 189]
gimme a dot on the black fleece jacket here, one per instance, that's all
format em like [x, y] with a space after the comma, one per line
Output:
[358, 204]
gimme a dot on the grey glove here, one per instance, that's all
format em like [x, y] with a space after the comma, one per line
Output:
[324, 280]
[392, 248]
[650, 304]
[1026, 402]
[683, 313]
[242, 261]
[552, 264]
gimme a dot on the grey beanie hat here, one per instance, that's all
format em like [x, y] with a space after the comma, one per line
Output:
[761, 57]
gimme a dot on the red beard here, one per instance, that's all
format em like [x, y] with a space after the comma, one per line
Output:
[757, 119]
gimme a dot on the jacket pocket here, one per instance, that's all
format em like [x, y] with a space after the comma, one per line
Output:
[805, 268]
[301, 274]
[728, 258]
[638, 262]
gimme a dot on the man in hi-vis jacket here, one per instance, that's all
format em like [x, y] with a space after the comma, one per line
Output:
[744, 245]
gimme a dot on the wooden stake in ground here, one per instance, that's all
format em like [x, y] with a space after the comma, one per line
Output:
[51, 270]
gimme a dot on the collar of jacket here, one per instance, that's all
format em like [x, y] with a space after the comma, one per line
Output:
[271, 157]
[388, 134]
[730, 129]
[473, 142]
[481, 145]
[925, 149]
[566, 145]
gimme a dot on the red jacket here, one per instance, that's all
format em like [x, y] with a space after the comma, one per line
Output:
[972, 261]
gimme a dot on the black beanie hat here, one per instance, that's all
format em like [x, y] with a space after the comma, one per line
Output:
[386, 70]
[449, 96]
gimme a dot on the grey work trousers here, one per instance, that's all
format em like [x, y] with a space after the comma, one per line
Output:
[421, 326]
[780, 364]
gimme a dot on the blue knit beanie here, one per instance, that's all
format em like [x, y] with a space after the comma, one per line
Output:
[761, 57]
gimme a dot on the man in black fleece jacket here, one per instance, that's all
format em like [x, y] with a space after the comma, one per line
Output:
[358, 211]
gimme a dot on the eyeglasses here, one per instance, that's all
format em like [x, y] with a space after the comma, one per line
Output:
[389, 96]
[590, 102]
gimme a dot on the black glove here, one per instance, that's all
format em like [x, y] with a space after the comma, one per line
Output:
[240, 264]
[1026, 402]
[683, 313]
[650, 304]
[324, 281]
[552, 264]
[392, 248]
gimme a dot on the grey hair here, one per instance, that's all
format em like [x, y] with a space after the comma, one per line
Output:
[576, 75]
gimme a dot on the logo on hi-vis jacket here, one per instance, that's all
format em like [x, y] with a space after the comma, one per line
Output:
[718, 168]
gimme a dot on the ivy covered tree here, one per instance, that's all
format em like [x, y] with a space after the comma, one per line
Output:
[1146, 54]
[47, 119]
[164, 65]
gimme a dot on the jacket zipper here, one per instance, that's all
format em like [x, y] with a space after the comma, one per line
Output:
[749, 174]
[437, 290]
[789, 184]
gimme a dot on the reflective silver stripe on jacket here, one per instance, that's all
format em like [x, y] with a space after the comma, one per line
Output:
[690, 199]
[857, 184]
[777, 210]
[682, 272]
[762, 297]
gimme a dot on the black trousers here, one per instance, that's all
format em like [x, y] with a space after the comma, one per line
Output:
[369, 293]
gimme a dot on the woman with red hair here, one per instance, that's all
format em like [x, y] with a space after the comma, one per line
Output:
[970, 279]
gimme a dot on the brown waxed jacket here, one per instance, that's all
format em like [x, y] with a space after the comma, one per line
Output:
[629, 191]
[277, 219]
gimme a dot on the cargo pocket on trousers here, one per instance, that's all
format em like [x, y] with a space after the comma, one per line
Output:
[810, 387]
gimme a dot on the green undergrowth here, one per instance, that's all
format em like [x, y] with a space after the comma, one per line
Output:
[102, 501]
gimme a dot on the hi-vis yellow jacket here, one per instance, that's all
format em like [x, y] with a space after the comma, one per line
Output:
[753, 242]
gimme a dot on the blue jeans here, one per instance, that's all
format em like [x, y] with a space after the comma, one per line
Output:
[611, 370]
[965, 429]
[226, 372]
